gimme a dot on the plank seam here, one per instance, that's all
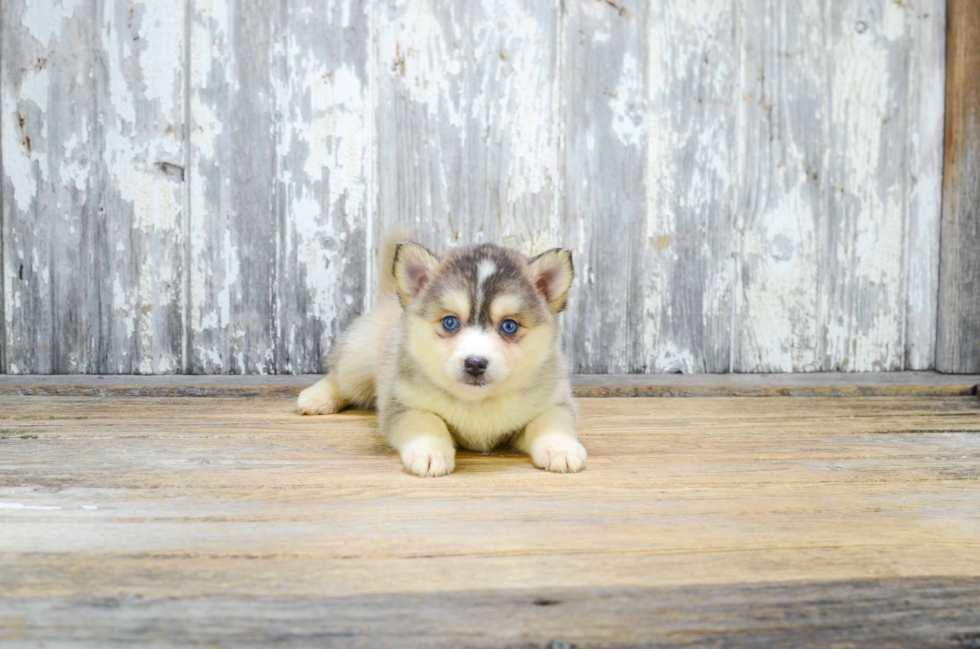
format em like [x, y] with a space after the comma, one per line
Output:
[372, 193]
[907, 206]
[186, 197]
[3, 261]
[889, 384]
[959, 307]
[279, 218]
[373, 206]
[938, 360]
[740, 107]
[580, 392]
[558, 201]
[97, 213]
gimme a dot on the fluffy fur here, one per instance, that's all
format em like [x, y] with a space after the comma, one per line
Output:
[401, 358]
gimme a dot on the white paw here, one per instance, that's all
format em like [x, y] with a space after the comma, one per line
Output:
[558, 452]
[429, 457]
[318, 399]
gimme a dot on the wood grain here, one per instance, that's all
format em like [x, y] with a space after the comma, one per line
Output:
[325, 147]
[873, 384]
[926, 80]
[605, 114]
[747, 186]
[958, 349]
[826, 214]
[914, 612]
[686, 271]
[236, 521]
[468, 129]
[234, 209]
[92, 203]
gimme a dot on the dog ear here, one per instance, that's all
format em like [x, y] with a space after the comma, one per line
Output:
[413, 267]
[553, 272]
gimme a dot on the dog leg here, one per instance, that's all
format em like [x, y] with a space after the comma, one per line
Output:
[552, 442]
[321, 398]
[424, 443]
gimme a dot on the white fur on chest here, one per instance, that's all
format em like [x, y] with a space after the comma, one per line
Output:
[480, 425]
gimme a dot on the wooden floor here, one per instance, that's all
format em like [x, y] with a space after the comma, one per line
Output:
[231, 521]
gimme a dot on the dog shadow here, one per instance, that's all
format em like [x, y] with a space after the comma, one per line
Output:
[494, 461]
[497, 460]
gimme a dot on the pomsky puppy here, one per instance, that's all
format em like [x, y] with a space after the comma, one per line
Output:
[462, 349]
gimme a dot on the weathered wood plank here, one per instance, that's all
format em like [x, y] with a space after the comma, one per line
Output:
[43, 214]
[825, 169]
[927, 78]
[783, 121]
[697, 520]
[863, 283]
[143, 154]
[685, 256]
[234, 172]
[468, 124]
[911, 612]
[872, 384]
[325, 148]
[93, 147]
[3, 213]
[917, 384]
[958, 344]
[604, 88]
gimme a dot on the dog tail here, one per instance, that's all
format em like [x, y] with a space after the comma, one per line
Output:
[386, 261]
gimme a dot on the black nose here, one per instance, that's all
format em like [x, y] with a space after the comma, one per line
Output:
[475, 366]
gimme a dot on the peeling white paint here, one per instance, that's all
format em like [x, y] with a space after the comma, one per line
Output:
[474, 89]
[212, 67]
[232, 268]
[336, 134]
[120, 94]
[123, 307]
[781, 286]
[687, 129]
[868, 338]
[76, 167]
[45, 20]
[319, 262]
[161, 35]
[18, 124]
[514, 104]
[628, 104]
[211, 358]
[415, 46]
[671, 358]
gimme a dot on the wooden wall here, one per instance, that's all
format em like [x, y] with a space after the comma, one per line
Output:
[958, 343]
[198, 185]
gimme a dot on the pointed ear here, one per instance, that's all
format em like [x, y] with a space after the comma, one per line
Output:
[552, 272]
[413, 267]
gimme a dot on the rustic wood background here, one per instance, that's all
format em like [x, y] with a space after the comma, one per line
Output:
[958, 342]
[198, 185]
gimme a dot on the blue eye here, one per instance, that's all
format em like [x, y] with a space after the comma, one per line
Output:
[450, 323]
[509, 327]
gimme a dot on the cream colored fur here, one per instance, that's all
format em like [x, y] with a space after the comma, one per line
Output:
[424, 414]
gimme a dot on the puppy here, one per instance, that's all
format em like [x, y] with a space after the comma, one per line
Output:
[462, 349]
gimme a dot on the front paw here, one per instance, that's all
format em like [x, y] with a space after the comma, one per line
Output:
[428, 457]
[558, 452]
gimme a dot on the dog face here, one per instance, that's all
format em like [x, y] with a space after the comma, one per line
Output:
[483, 317]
